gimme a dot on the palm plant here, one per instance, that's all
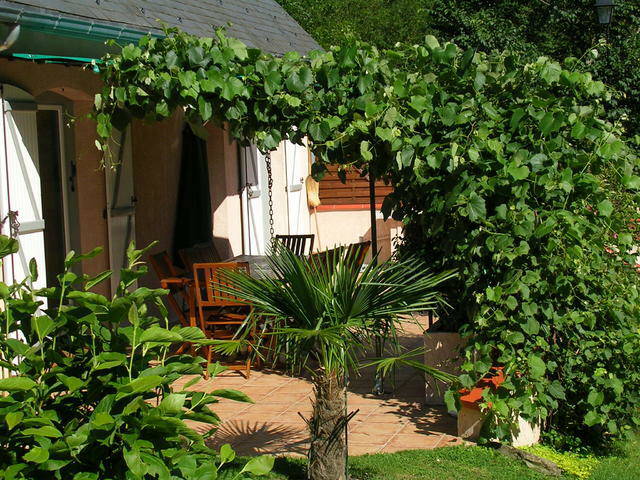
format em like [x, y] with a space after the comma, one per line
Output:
[324, 313]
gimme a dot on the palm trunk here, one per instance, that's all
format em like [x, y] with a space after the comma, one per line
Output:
[328, 448]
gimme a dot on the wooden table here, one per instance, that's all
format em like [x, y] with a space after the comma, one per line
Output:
[257, 263]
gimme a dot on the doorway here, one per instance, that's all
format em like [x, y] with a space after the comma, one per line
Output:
[33, 194]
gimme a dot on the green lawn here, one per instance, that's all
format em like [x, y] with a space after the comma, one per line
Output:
[624, 467]
[458, 463]
[450, 463]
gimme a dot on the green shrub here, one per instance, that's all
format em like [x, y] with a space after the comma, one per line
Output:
[528, 193]
[91, 392]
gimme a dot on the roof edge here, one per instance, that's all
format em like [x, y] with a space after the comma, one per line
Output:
[70, 26]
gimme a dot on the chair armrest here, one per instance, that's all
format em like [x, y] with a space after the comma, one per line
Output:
[182, 281]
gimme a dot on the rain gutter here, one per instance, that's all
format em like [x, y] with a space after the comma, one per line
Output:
[71, 26]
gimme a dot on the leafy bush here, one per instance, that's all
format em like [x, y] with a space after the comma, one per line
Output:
[90, 391]
[528, 192]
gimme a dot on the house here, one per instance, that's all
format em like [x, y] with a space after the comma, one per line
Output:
[54, 195]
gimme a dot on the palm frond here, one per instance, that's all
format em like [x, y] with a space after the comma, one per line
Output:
[387, 364]
[325, 311]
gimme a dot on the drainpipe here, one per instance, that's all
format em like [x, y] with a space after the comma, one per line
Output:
[241, 191]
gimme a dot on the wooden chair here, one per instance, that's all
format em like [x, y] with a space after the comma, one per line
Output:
[297, 243]
[201, 253]
[180, 295]
[220, 314]
[356, 252]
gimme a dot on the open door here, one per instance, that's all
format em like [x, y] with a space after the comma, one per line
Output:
[255, 201]
[297, 168]
[20, 190]
[121, 204]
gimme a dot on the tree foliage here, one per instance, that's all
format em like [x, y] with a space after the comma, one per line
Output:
[558, 29]
[504, 169]
[89, 390]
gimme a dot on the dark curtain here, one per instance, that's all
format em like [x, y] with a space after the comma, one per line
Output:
[193, 215]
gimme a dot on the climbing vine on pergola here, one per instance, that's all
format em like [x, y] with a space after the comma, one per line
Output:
[479, 141]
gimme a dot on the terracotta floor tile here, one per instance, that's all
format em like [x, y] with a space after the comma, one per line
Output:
[289, 389]
[386, 418]
[362, 410]
[355, 449]
[290, 417]
[415, 441]
[359, 400]
[370, 438]
[403, 409]
[265, 410]
[378, 428]
[395, 421]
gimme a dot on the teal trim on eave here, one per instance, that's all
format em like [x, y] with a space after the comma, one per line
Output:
[70, 26]
[94, 62]
[33, 56]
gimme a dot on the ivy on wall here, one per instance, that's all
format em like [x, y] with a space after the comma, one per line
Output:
[502, 169]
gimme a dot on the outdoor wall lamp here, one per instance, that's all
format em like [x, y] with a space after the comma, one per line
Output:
[605, 11]
[11, 37]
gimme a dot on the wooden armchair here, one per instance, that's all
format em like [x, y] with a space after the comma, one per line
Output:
[201, 253]
[180, 295]
[221, 316]
[297, 243]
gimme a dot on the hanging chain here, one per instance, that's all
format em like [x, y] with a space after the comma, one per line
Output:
[267, 159]
[14, 224]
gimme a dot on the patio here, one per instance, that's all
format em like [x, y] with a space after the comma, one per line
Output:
[388, 423]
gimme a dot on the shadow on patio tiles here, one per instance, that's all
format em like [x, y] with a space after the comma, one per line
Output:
[252, 438]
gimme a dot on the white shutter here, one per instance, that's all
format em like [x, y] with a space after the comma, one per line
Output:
[120, 203]
[20, 194]
[255, 201]
[297, 169]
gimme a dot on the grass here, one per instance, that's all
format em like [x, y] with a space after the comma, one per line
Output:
[449, 463]
[622, 464]
[472, 463]
[576, 465]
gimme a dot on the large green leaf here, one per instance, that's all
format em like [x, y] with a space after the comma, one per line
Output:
[16, 384]
[227, 454]
[172, 403]
[37, 455]
[44, 431]
[231, 394]
[13, 418]
[138, 385]
[160, 335]
[537, 367]
[476, 207]
[259, 466]
[8, 246]
[136, 466]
